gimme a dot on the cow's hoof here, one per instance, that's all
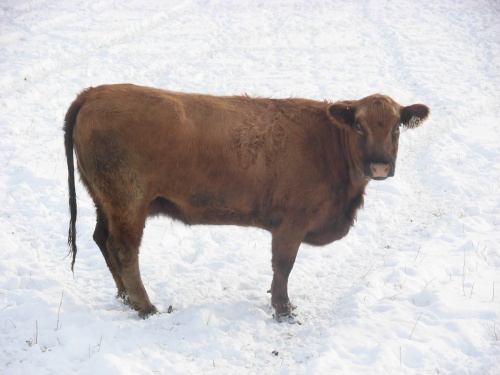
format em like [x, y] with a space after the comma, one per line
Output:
[145, 313]
[289, 318]
[286, 314]
[124, 297]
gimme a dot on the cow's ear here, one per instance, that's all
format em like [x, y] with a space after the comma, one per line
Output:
[414, 115]
[342, 113]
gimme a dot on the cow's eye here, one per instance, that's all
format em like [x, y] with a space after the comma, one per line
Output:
[359, 129]
[397, 128]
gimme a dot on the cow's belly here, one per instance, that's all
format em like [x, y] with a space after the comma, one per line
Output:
[203, 209]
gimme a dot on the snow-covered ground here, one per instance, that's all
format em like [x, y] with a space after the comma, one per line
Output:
[415, 286]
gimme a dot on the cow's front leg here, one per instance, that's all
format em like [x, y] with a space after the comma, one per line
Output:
[285, 246]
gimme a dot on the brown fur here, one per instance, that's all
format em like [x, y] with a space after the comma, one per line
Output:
[295, 167]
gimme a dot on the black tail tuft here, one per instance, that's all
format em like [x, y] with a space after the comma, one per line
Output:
[69, 124]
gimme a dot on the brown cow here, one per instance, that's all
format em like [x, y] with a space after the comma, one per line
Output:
[295, 167]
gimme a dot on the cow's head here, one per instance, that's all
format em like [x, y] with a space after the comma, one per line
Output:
[375, 122]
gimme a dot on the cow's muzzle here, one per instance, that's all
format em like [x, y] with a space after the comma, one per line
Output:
[379, 170]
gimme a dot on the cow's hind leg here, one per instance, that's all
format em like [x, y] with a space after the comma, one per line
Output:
[123, 244]
[117, 184]
[101, 235]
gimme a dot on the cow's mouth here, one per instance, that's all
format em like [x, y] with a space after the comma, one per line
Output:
[379, 170]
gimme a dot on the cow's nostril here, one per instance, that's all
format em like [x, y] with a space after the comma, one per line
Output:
[380, 169]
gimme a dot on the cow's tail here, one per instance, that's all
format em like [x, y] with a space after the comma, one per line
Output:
[69, 124]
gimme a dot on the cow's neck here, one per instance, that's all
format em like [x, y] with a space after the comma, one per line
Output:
[355, 179]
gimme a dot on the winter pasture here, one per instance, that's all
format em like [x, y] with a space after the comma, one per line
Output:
[413, 289]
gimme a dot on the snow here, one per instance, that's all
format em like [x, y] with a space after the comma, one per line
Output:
[415, 286]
